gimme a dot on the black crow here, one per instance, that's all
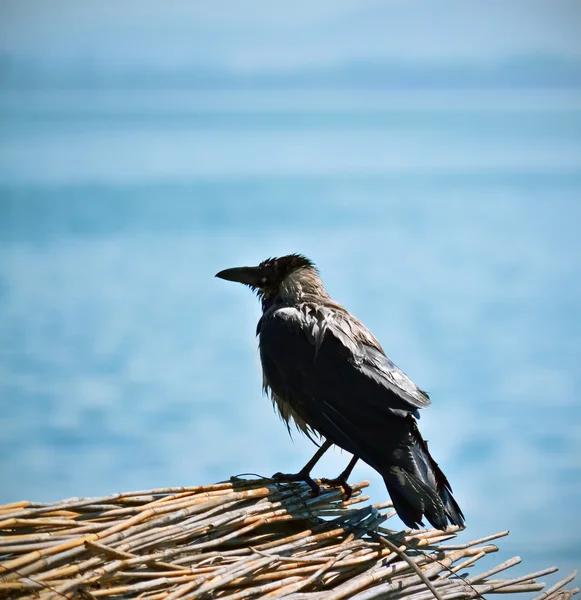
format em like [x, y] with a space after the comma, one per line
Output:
[327, 373]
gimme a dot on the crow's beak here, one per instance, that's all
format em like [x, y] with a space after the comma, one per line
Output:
[247, 275]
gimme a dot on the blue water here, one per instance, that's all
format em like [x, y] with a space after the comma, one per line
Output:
[449, 223]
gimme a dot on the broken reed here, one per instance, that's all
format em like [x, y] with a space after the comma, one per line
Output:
[236, 540]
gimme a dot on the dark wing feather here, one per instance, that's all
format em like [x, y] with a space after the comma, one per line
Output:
[343, 388]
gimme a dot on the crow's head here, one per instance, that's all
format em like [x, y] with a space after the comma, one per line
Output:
[275, 277]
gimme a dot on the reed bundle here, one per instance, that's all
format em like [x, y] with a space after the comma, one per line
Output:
[236, 540]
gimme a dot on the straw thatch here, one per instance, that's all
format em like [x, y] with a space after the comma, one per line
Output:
[239, 539]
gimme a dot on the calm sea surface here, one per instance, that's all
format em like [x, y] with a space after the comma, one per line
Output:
[448, 222]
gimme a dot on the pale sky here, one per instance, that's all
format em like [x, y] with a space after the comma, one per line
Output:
[264, 34]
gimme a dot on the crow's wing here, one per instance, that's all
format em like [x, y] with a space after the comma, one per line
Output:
[334, 374]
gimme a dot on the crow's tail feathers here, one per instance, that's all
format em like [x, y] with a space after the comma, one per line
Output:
[413, 499]
[419, 488]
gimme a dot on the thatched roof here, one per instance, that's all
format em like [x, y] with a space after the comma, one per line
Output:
[239, 539]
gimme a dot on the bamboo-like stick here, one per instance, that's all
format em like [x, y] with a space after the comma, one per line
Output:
[238, 540]
[557, 586]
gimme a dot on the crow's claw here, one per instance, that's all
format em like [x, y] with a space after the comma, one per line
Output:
[300, 476]
[340, 482]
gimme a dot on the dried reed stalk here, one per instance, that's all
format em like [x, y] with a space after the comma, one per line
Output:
[236, 540]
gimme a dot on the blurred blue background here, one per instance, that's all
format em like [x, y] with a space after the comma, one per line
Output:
[426, 155]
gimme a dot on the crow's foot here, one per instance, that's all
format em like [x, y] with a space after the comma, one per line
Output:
[340, 482]
[300, 476]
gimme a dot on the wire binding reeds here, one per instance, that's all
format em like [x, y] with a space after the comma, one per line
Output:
[236, 540]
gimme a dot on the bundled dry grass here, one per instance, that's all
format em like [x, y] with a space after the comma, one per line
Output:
[235, 540]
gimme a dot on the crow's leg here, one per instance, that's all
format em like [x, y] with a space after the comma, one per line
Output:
[341, 480]
[305, 473]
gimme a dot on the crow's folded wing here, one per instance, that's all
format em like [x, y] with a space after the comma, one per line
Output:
[334, 374]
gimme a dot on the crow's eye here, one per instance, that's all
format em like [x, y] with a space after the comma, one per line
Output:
[263, 279]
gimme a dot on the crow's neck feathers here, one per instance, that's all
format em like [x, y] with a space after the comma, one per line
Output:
[300, 283]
